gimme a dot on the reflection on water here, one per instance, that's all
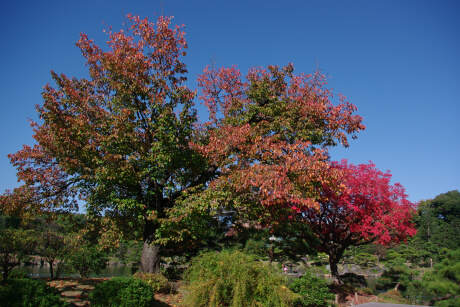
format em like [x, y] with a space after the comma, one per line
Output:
[109, 271]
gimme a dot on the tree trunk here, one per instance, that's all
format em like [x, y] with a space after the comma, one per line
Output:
[151, 254]
[150, 258]
[335, 254]
[271, 254]
[51, 269]
[334, 270]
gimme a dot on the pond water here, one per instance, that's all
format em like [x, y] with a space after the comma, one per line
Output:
[109, 271]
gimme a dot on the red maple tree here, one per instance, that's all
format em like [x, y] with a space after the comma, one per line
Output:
[367, 208]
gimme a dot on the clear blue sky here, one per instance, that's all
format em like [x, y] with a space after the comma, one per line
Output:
[397, 61]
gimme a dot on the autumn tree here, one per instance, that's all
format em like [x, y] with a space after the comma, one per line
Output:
[367, 209]
[268, 135]
[118, 140]
[127, 140]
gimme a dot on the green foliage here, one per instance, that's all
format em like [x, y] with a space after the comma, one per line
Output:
[88, 259]
[395, 278]
[18, 275]
[55, 248]
[232, 278]
[15, 245]
[7, 221]
[122, 292]
[438, 223]
[452, 302]
[157, 282]
[445, 280]
[313, 291]
[129, 251]
[29, 293]
[367, 291]
[280, 242]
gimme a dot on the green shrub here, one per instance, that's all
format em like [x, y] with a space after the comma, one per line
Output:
[313, 291]
[18, 275]
[157, 282]
[123, 292]
[232, 278]
[367, 291]
[29, 293]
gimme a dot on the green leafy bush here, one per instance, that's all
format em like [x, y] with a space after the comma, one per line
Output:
[367, 291]
[157, 282]
[29, 292]
[18, 275]
[122, 292]
[313, 291]
[232, 278]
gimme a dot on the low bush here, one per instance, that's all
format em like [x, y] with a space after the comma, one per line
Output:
[18, 275]
[313, 291]
[157, 282]
[122, 292]
[29, 292]
[232, 278]
[367, 291]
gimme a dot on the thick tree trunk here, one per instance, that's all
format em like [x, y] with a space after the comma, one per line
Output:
[151, 254]
[334, 271]
[150, 259]
[335, 254]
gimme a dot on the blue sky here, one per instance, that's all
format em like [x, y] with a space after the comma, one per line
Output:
[397, 61]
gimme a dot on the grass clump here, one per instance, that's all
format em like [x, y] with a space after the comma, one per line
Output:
[233, 278]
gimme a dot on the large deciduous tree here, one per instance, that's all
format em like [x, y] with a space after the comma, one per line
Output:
[118, 140]
[268, 133]
[367, 209]
[127, 141]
